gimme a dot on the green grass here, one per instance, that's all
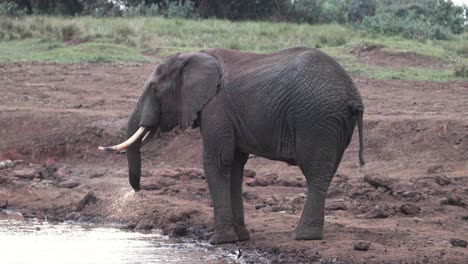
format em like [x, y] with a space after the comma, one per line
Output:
[52, 51]
[88, 39]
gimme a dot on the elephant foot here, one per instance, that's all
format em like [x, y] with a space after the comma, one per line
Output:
[308, 233]
[242, 233]
[225, 236]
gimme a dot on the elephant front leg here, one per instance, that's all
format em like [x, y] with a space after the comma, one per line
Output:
[217, 163]
[237, 174]
[318, 175]
[219, 182]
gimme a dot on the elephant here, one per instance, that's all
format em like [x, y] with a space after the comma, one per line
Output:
[297, 105]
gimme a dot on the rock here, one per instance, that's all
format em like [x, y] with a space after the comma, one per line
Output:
[29, 215]
[46, 172]
[361, 191]
[276, 208]
[181, 216]
[380, 211]
[179, 231]
[333, 192]
[298, 200]
[25, 173]
[378, 180]
[150, 187]
[5, 180]
[191, 173]
[260, 206]
[90, 197]
[249, 196]
[166, 182]
[336, 205]
[413, 196]
[377, 195]
[454, 199]
[6, 164]
[290, 183]
[434, 169]
[442, 180]
[96, 175]
[3, 204]
[75, 216]
[361, 245]
[458, 242]
[69, 184]
[163, 172]
[249, 173]
[266, 180]
[19, 162]
[400, 188]
[144, 225]
[130, 226]
[410, 209]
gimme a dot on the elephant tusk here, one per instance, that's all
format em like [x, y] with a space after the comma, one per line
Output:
[146, 138]
[126, 143]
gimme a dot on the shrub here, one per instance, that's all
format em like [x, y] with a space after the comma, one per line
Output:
[461, 70]
[69, 31]
[358, 9]
[185, 10]
[11, 9]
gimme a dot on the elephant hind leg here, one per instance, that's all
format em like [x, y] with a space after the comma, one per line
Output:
[237, 173]
[319, 175]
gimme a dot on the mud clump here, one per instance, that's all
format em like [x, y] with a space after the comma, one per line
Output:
[456, 242]
[378, 180]
[410, 209]
[382, 210]
[249, 196]
[336, 206]
[361, 245]
[6, 164]
[26, 173]
[454, 199]
[68, 184]
[89, 198]
[442, 180]
[249, 173]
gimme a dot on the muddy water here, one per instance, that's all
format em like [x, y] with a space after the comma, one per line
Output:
[32, 241]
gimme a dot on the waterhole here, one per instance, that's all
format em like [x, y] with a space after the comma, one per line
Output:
[33, 241]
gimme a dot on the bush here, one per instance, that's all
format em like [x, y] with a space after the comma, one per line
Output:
[410, 28]
[461, 70]
[142, 10]
[416, 19]
[358, 9]
[11, 9]
[185, 10]
[69, 32]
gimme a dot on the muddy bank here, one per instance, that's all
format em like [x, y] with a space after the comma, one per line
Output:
[408, 204]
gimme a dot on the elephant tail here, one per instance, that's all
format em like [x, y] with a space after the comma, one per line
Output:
[358, 112]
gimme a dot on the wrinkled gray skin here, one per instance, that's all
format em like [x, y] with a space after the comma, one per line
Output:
[296, 105]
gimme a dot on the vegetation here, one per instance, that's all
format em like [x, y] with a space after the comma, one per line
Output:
[78, 39]
[123, 30]
[413, 19]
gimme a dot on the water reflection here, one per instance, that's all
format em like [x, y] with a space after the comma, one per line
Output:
[36, 242]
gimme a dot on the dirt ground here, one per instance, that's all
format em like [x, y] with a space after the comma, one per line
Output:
[409, 201]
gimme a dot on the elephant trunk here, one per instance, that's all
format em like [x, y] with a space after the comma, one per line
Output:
[145, 118]
[134, 153]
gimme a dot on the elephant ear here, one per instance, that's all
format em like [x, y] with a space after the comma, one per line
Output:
[199, 83]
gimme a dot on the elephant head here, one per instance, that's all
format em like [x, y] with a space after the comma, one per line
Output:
[172, 96]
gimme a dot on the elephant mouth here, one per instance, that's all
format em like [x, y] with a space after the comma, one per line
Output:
[142, 132]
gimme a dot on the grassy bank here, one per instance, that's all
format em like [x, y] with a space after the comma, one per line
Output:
[88, 39]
